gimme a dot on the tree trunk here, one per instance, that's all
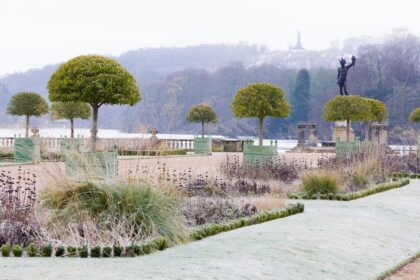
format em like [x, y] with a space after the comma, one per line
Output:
[348, 131]
[71, 128]
[27, 127]
[260, 132]
[202, 129]
[94, 131]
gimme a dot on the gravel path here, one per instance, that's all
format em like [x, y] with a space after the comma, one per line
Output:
[331, 240]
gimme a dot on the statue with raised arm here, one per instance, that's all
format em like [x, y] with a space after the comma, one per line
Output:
[342, 74]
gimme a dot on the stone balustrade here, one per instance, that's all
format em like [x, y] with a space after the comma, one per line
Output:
[54, 144]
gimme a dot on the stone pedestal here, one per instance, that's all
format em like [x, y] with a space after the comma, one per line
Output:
[340, 131]
[154, 141]
[380, 133]
[301, 134]
[312, 138]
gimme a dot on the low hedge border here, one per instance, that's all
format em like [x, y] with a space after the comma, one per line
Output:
[355, 195]
[398, 175]
[157, 244]
[213, 229]
[46, 250]
[395, 269]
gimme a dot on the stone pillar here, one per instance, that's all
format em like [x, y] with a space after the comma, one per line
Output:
[340, 131]
[375, 132]
[301, 134]
[312, 138]
[383, 134]
[154, 141]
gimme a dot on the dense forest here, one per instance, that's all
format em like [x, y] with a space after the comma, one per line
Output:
[171, 80]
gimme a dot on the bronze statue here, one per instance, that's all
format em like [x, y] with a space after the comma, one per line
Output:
[342, 74]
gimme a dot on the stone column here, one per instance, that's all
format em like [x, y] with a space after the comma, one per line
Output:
[383, 134]
[375, 131]
[312, 138]
[154, 141]
[301, 134]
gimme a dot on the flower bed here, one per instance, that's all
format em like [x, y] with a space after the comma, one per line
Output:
[156, 244]
[355, 195]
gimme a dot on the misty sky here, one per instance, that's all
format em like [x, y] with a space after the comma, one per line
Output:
[36, 33]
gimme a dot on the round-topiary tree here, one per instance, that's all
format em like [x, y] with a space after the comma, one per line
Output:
[377, 112]
[202, 113]
[70, 111]
[415, 115]
[27, 104]
[347, 108]
[260, 100]
[95, 80]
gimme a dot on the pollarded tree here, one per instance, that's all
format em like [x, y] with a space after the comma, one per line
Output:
[347, 108]
[27, 104]
[95, 80]
[202, 113]
[377, 112]
[415, 115]
[70, 111]
[260, 100]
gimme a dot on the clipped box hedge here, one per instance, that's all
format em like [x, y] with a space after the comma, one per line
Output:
[213, 229]
[355, 195]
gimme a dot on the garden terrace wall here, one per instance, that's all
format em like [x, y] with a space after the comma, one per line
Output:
[355, 195]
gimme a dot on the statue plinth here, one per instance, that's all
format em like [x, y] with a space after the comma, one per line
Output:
[340, 131]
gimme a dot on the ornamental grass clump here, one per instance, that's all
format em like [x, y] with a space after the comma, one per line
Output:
[124, 212]
[319, 182]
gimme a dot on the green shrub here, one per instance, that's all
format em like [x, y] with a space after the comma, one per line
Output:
[137, 250]
[319, 182]
[71, 251]
[212, 229]
[95, 252]
[146, 248]
[32, 250]
[107, 252]
[83, 251]
[117, 250]
[46, 250]
[17, 251]
[59, 252]
[137, 205]
[129, 251]
[5, 250]
[160, 243]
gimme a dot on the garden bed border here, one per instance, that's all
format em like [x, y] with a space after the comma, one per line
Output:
[355, 195]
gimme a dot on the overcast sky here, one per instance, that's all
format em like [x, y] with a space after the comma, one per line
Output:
[36, 33]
